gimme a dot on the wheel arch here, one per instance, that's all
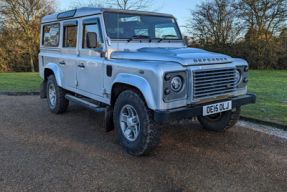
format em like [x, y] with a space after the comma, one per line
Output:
[53, 69]
[126, 81]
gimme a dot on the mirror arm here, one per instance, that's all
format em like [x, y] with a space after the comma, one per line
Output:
[103, 54]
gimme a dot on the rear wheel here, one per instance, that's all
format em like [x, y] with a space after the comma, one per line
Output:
[220, 121]
[135, 128]
[56, 96]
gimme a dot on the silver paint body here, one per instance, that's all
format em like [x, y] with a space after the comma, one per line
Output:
[127, 60]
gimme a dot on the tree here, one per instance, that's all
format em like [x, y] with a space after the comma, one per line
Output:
[264, 20]
[143, 5]
[92, 3]
[248, 29]
[215, 22]
[24, 16]
[282, 62]
[264, 17]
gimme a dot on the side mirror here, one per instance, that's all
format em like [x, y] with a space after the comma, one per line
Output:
[91, 40]
[185, 39]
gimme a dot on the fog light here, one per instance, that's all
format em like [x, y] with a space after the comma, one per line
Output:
[167, 91]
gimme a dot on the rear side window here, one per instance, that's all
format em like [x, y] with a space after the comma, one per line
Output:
[70, 36]
[51, 35]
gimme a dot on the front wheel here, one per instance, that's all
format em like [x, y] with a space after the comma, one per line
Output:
[56, 96]
[220, 121]
[135, 128]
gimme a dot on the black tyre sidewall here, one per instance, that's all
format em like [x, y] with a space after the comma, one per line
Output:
[131, 145]
[61, 103]
[52, 80]
[150, 131]
[226, 121]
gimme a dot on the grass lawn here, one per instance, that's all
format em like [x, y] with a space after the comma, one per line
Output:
[269, 86]
[20, 81]
[271, 90]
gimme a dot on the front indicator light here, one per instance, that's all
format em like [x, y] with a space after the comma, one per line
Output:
[237, 76]
[246, 69]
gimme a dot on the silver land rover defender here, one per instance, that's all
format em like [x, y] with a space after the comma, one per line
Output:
[136, 66]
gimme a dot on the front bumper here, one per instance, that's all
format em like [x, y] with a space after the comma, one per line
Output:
[194, 111]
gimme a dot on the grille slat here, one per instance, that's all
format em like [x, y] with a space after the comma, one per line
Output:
[215, 76]
[212, 94]
[213, 82]
[212, 90]
[210, 85]
[212, 79]
[213, 73]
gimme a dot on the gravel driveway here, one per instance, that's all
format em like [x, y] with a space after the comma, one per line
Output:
[40, 151]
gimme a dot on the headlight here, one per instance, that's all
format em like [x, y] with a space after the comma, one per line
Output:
[237, 76]
[176, 84]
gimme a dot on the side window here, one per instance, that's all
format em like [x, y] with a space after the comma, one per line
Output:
[92, 28]
[70, 34]
[51, 35]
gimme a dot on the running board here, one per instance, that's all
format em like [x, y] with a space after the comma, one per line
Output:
[84, 103]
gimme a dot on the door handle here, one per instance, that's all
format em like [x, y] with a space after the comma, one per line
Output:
[81, 65]
[62, 63]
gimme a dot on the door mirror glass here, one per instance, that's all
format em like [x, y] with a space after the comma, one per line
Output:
[185, 39]
[91, 40]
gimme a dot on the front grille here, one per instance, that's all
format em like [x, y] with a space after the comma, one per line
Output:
[213, 82]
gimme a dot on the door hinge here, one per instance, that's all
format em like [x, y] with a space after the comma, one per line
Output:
[105, 94]
[104, 91]
[76, 83]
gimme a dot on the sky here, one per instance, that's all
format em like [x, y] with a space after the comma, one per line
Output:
[179, 8]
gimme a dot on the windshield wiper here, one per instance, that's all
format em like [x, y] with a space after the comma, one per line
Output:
[165, 36]
[139, 37]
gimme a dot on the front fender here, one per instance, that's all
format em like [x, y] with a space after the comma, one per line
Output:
[57, 72]
[139, 83]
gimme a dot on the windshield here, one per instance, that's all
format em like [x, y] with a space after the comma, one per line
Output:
[133, 26]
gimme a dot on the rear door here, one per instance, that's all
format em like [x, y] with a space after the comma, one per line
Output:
[90, 68]
[69, 52]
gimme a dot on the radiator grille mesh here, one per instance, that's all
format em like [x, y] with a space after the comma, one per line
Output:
[213, 82]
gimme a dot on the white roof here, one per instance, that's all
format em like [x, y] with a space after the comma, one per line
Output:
[85, 11]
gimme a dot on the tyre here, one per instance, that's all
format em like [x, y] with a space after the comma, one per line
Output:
[220, 121]
[135, 128]
[56, 96]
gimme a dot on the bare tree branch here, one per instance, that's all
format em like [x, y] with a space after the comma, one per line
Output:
[142, 5]
[215, 22]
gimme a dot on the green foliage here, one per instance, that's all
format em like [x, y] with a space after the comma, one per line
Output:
[249, 29]
[270, 86]
[20, 81]
[20, 26]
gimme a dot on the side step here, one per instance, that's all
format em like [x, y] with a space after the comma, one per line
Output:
[84, 103]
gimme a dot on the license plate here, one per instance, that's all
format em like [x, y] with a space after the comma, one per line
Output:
[217, 108]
